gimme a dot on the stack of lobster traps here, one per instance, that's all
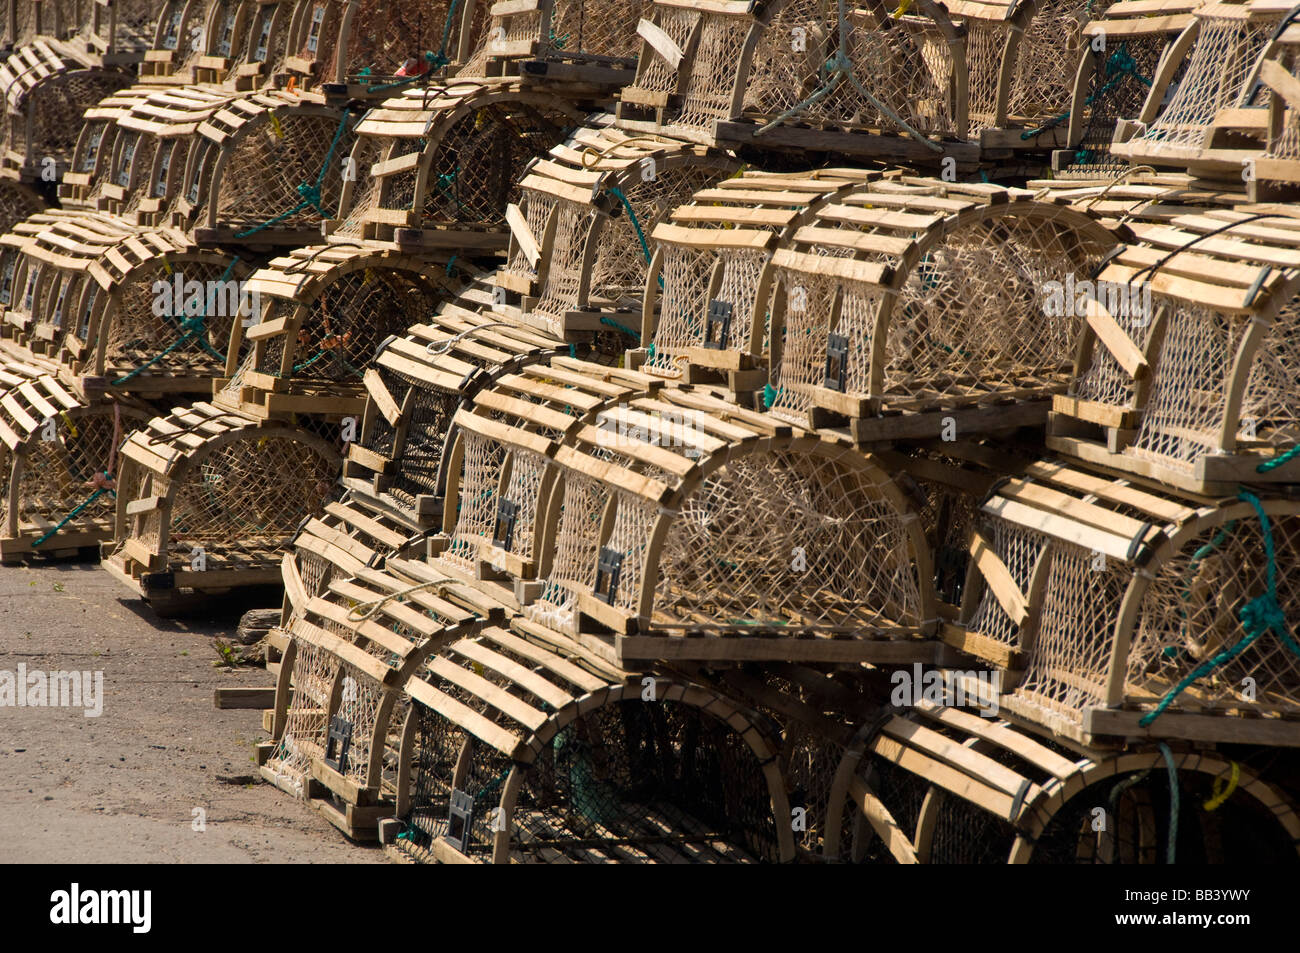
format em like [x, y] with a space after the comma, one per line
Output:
[694, 430]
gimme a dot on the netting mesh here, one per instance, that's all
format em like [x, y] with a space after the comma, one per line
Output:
[1047, 58]
[1184, 411]
[1105, 380]
[654, 75]
[1225, 54]
[1191, 612]
[537, 208]
[709, 93]
[630, 782]
[598, 27]
[266, 38]
[559, 294]
[146, 329]
[1019, 549]
[985, 42]
[479, 498]
[314, 672]
[505, 519]
[902, 794]
[273, 160]
[1070, 660]
[1116, 90]
[243, 502]
[784, 539]
[475, 172]
[134, 22]
[60, 474]
[1286, 143]
[810, 302]
[904, 62]
[574, 552]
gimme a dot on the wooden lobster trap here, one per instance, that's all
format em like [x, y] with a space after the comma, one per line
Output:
[710, 258]
[1185, 105]
[804, 74]
[1129, 612]
[942, 785]
[57, 463]
[914, 307]
[521, 747]
[275, 430]
[413, 390]
[684, 527]
[118, 31]
[321, 314]
[351, 650]
[1123, 49]
[207, 501]
[579, 252]
[25, 20]
[47, 86]
[140, 311]
[541, 399]
[436, 168]
[1184, 372]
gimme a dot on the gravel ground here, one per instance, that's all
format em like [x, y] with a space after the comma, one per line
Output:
[123, 787]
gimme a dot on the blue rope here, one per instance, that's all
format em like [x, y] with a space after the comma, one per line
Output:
[621, 327]
[1276, 462]
[1171, 849]
[618, 194]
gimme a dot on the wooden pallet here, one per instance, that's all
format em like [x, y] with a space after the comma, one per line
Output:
[1136, 406]
[866, 264]
[1112, 592]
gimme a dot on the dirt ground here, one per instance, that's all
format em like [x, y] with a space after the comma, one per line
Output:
[123, 787]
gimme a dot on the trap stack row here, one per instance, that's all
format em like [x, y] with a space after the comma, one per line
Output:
[160, 187]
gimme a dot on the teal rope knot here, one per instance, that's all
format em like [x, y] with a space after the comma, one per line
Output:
[310, 196]
[1261, 614]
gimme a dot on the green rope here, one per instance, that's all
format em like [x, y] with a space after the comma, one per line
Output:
[311, 193]
[1276, 462]
[620, 327]
[615, 191]
[1257, 617]
[190, 327]
[1171, 848]
[770, 395]
[73, 515]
